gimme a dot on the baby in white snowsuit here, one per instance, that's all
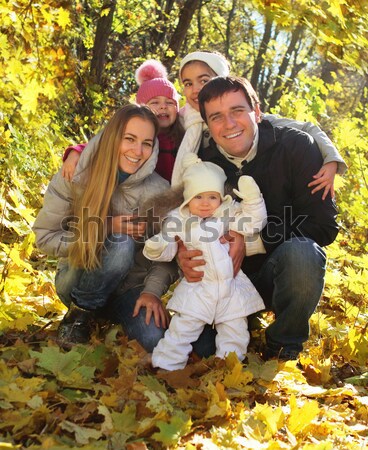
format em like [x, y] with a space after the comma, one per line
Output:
[219, 299]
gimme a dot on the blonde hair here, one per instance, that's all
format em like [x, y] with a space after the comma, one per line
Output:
[93, 205]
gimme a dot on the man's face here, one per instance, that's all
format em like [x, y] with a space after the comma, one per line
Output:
[232, 123]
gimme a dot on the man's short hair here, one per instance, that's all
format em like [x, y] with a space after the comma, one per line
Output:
[219, 86]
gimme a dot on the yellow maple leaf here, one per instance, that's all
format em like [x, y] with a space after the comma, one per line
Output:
[63, 18]
[237, 377]
[18, 260]
[219, 405]
[28, 96]
[358, 344]
[17, 284]
[49, 90]
[301, 417]
[23, 322]
[111, 399]
[272, 417]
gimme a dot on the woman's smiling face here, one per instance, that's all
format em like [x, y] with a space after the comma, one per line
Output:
[136, 144]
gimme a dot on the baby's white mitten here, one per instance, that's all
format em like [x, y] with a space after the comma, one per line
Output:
[248, 189]
[155, 246]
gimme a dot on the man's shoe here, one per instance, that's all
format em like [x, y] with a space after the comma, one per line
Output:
[283, 354]
[76, 327]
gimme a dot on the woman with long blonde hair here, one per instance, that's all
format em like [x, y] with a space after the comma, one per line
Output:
[88, 223]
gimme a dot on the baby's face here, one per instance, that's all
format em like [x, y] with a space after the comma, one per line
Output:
[204, 204]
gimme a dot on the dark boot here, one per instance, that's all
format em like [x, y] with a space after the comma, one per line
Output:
[283, 354]
[76, 327]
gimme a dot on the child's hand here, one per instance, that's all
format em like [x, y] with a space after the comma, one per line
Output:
[70, 164]
[324, 179]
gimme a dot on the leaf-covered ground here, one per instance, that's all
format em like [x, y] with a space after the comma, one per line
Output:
[103, 395]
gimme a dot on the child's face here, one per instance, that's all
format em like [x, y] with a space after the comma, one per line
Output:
[164, 109]
[194, 76]
[204, 204]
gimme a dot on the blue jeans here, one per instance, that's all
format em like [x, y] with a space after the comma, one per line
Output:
[120, 309]
[91, 289]
[291, 282]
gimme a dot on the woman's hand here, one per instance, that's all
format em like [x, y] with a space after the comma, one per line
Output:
[69, 165]
[324, 179]
[187, 264]
[126, 225]
[153, 307]
[237, 249]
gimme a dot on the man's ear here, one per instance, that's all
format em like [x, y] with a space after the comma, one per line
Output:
[258, 112]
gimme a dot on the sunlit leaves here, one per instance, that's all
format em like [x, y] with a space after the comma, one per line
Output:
[98, 396]
[63, 18]
[301, 416]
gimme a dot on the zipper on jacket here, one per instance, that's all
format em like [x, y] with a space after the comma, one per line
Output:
[217, 278]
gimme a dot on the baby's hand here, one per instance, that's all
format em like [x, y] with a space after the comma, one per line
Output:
[324, 179]
[248, 189]
[70, 164]
[154, 246]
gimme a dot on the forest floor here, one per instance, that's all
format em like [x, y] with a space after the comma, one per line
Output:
[103, 395]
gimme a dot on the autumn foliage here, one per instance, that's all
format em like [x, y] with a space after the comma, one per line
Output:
[64, 68]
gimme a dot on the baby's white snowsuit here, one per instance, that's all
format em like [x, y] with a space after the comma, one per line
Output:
[219, 298]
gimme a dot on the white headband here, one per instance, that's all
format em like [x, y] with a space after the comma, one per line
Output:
[216, 62]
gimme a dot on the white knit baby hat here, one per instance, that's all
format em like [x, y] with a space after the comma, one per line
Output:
[200, 176]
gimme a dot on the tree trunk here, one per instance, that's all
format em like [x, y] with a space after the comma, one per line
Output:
[228, 28]
[258, 64]
[157, 35]
[181, 30]
[103, 32]
[277, 89]
[199, 23]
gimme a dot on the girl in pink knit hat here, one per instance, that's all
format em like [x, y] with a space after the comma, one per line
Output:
[157, 92]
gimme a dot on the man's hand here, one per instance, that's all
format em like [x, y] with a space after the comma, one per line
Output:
[324, 179]
[153, 307]
[126, 225]
[187, 264]
[237, 249]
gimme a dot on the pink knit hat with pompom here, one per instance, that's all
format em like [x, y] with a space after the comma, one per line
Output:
[152, 79]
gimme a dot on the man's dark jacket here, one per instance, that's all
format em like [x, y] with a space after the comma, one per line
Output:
[285, 163]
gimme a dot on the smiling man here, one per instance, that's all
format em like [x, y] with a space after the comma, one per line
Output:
[286, 263]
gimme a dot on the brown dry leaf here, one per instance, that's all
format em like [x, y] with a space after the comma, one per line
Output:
[110, 366]
[28, 365]
[183, 378]
[136, 446]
